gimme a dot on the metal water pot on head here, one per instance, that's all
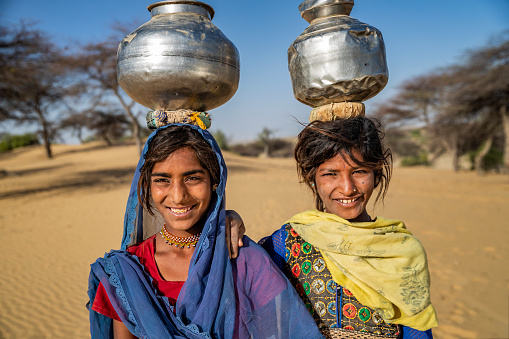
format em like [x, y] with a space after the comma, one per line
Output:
[178, 59]
[338, 61]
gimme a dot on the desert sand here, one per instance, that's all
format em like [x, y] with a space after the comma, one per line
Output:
[57, 216]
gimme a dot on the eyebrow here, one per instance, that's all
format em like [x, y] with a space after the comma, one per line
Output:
[166, 175]
[193, 172]
[338, 170]
[327, 170]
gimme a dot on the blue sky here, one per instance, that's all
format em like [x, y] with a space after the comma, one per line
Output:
[419, 36]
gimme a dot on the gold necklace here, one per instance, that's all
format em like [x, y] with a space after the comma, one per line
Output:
[181, 242]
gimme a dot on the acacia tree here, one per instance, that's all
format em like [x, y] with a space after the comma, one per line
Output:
[459, 135]
[417, 104]
[33, 80]
[460, 108]
[76, 122]
[482, 93]
[97, 62]
[265, 138]
[108, 125]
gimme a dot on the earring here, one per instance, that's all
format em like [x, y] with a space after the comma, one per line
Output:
[214, 187]
[312, 184]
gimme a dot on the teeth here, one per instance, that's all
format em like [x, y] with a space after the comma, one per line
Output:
[180, 210]
[347, 201]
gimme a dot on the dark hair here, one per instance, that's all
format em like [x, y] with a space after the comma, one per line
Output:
[165, 143]
[323, 140]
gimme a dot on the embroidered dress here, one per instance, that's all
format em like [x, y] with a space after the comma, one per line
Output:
[245, 298]
[335, 309]
[324, 298]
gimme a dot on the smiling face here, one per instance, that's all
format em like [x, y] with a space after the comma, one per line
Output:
[181, 190]
[344, 187]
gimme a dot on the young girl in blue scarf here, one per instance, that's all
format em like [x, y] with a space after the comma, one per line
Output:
[360, 277]
[172, 277]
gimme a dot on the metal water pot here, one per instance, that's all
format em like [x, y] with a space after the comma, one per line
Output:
[337, 58]
[178, 59]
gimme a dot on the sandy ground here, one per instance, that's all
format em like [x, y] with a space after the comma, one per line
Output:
[57, 216]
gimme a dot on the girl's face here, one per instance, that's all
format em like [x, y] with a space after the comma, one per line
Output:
[345, 188]
[181, 191]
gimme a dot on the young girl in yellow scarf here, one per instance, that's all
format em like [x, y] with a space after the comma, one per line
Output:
[359, 276]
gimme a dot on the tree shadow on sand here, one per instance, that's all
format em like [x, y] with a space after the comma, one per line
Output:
[99, 179]
[87, 148]
[242, 169]
[258, 167]
[36, 170]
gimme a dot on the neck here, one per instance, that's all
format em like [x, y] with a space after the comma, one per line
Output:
[179, 241]
[363, 217]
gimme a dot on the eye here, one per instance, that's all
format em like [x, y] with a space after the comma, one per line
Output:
[361, 171]
[193, 179]
[329, 174]
[160, 180]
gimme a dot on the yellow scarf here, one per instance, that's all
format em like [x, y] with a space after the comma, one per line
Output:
[380, 262]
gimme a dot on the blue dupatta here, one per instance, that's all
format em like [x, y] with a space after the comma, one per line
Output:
[247, 297]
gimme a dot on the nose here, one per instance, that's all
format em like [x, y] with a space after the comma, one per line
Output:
[178, 192]
[346, 185]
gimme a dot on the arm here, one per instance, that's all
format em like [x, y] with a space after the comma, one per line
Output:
[234, 231]
[102, 305]
[120, 331]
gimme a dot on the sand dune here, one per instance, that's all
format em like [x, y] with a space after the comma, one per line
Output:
[57, 216]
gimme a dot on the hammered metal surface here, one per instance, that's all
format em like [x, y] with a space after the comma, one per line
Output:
[178, 61]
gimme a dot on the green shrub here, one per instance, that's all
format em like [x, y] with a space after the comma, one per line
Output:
[278, 148]
[419, 160]
[494, 159]
[10, 141]
[252, 149]
[222, 140]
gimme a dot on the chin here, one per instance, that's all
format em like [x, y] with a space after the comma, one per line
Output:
[350, 216]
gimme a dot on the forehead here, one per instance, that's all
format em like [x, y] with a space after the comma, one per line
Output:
[183, 159]
[341, 160]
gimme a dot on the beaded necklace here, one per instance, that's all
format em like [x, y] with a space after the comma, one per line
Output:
[181, 242]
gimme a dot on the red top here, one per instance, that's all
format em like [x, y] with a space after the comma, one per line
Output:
[145, 252]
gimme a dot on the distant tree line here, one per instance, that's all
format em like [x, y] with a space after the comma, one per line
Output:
[266, 145]
[459, 110]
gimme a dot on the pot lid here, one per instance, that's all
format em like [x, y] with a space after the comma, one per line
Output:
[181, 6]
[313, 9]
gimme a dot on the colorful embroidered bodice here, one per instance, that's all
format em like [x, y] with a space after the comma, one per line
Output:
[306, 269]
